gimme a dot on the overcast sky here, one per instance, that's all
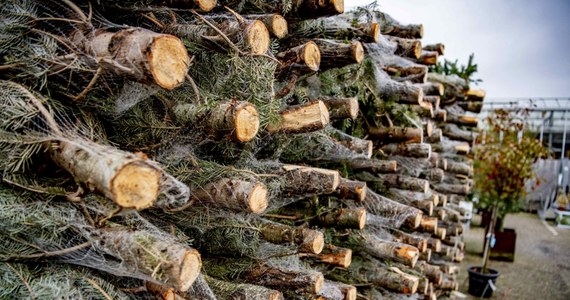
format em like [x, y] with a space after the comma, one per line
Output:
[522, 47]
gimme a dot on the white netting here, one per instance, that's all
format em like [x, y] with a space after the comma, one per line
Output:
[385, 212]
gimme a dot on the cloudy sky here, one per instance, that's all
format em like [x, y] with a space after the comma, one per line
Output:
[522, 47]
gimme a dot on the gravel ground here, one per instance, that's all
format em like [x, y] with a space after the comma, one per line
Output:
[541, 269]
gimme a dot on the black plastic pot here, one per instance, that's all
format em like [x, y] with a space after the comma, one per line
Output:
[479, 283]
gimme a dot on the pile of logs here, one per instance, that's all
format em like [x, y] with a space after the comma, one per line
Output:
[228, 150]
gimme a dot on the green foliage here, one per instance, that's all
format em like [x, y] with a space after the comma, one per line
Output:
[464, 71]
[504, 156]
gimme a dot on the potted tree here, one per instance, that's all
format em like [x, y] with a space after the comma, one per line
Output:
[504, 154]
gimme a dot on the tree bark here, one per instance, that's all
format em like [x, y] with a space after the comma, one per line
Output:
[429, 224]
[410, 239]
[432, 89]
[434, 100]
[413, 74]
[231, 290]
[415, 150]
[309, 241]
[397, 134]
[336, 256]
[428, 58]
[344, 218]
[263, 274]
[304, 59]
[338, 55]
[374, 165]
[460, 168]
[237, 119]
[435, 137]
[406, 47]
[337, 27]
[301, 118]
[440, 115]
[386, 208]
[307, 180]
[312, 9]
[235, 194]
[398, 91]
[463, 120]
[341, 108]
[394, 180]
[460, 189]
[439, 48]
[393, 251]
[125, 178]
[275, 23]
[149, 57]
[454, 132]
[393, 279]
[471, 106]
[351, 189]
[168, 263]
[475, 95]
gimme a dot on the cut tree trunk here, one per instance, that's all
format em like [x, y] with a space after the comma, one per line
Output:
[333, 290]
[429, 224]
[440, 115]
[341, 108]
[394, 180]
[413, 74]
[248, 35]
[410, 239]
[390, 26]
[460, 189]
[393, 279]
[148, 57]
[400, 92]
[475, 95]
[380, 206]
[432, 89]
[304, 59]
[397, 134]
[434, 100]
[338, 55]
[463, 120]
[231, 290]
[172, 264]
[428, 58]
[235, 194]
[406, 47]
[344, 218]
[337, 27]
[123, 177]
[415, 150]
[435, 137]
[439, 48]
[424, 110]
[393, 251]
[312, 9]
[460, 168]
[471, 106]
[334, 255]
[301, 118]
[307, 180]
[309, 241]
[455, 133]
[351, 189]
[373, 165]
[260, 273]
[238, 119]
[275, 23]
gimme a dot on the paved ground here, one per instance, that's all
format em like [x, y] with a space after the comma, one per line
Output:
[541, 269]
